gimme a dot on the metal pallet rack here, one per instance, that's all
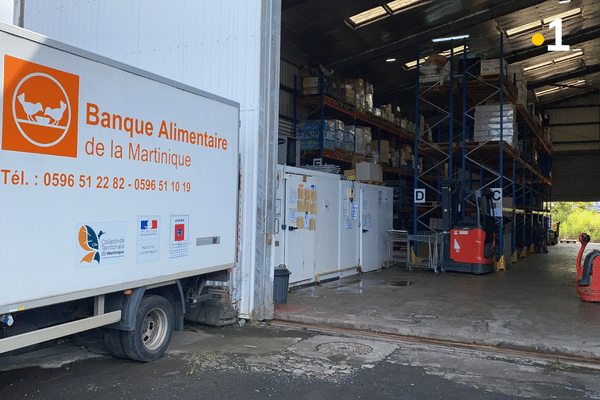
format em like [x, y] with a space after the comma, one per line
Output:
[322, 107]
[488, 157]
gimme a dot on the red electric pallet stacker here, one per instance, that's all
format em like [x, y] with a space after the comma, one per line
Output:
[470, 242]
[587, 287]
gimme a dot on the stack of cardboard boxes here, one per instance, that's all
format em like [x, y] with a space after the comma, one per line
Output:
[516, 75]
[488, 121]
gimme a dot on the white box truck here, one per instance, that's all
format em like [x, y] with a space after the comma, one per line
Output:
[118, 197]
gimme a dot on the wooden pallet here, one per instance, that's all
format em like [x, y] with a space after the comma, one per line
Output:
[373, 183]
[568, 241]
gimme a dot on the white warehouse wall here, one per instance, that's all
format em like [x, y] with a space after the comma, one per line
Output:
[6, 11]
[229, 48]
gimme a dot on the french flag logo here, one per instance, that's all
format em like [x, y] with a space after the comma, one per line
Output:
[149, 224]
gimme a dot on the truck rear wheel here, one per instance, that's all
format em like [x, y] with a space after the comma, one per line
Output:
[152, 332]
[114, 343]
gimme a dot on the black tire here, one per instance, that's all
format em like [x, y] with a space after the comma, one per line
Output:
[153, 330]
[114, 343]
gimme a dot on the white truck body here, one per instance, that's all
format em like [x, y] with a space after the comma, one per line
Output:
[111, 178]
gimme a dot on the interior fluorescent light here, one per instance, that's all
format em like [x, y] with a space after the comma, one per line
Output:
[569, 57]
[390, 60]
[399, 6]
[447, 39]
[555, 61]
[413, 64]
[367, 17]
[536, 66]
[457, 51]
[578, 82]
[547, 91]
[564, 86]
[524, 28]
[564, 16]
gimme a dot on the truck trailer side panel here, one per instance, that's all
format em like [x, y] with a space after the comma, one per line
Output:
[110, 177]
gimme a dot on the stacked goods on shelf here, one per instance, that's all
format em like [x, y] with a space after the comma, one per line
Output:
[348, 95]
[516, 74]
[391, 113]
[435, 70]
[492, 67]
[384, 151]
[369, 97]
[335, 135]
[333, 83]
[357, 94]
[363, 94]
[308, 133]
[488, 120]
[363, 140]
[424, 131]
[394, 157]
[358, 85]
[406, 157]
[370, 172]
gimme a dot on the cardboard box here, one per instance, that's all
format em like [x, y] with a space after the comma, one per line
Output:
[358, 85]
[351, 174]
[492, 67]
[368, 172]
[333, 83]
[310, 85]
[348, 95]
[384, 151]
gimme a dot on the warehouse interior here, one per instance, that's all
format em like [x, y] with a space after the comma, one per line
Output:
[317, 37]
[409, 126]
[351, 68]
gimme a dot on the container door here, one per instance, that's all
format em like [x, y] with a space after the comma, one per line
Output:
[349, 225]
[385, 198]
[300, 229]
[327, 226]
[279, 236]
[369, 221]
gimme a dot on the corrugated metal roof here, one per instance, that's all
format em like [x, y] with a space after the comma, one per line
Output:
[314, 33]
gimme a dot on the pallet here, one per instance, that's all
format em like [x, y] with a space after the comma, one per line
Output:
[373, 183]
[568, 241]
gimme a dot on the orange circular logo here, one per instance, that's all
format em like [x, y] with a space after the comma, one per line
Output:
[41, 109]
[44, 104]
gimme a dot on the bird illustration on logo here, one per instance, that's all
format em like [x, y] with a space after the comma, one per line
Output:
[49, 114]
[56, 113]
[44, 105]
[30, 108]
[88, 240]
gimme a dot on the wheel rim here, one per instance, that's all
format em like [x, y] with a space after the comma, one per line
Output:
[154, 329]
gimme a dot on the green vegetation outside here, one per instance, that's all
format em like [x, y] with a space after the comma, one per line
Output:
[575, 218]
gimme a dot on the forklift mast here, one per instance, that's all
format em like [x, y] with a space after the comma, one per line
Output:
[469, 241]
[452, 197]
[450, 203]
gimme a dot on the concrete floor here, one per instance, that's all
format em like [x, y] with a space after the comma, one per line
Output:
[532, 305]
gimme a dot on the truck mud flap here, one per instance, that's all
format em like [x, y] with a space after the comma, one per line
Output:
[217, 311]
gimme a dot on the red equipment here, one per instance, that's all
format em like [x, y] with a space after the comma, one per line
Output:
[469, 242]
[588, 288]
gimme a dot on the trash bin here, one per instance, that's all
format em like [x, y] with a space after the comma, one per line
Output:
[280, 284]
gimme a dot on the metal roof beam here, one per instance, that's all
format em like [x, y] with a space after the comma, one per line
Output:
[572, 40]
[507, 7]
[564, 77]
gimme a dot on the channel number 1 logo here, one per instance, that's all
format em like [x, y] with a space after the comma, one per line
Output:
[39, 109]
